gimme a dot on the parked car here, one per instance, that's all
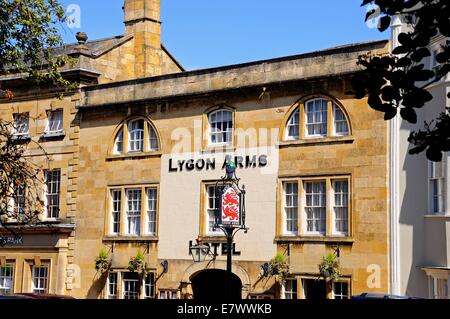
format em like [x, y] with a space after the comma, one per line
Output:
[13, 297]
[381, 296]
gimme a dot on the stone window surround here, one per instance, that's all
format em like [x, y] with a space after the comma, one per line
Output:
[123, 127]
[144, 235]
[331, 234]
[206, 146]
[300, 106]
[301, 277]
[120, 285]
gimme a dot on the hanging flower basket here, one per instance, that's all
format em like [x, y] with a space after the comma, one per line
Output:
[138, 264]
[329, 268]
[278, 267]
[102, 261]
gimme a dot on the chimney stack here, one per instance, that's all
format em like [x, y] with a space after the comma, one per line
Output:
[142, 20]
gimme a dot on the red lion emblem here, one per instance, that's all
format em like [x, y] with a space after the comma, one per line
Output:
[230, 205]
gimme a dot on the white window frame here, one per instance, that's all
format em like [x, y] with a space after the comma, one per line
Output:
[152, 211]
[336, 121]
[119, 142]
[168, 293]
[153, 140]
[112, 284]
[133, 213]
[21, 124]
[149, 287]
[209, 211]
[7, 280]
[294, 207]
[53, 129]
[340, 294]
[334, 207]
[131, 281]
[115, 215]
[438, 286]
[306, 208]
[315, 122]
[37, 277]
[54, 194]
[294, 122]
[224, 131]
[136, 136]
[290, 289]
[437, 175]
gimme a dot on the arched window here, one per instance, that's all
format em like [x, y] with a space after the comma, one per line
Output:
[141, 137]
[311, 120]
[220, 127]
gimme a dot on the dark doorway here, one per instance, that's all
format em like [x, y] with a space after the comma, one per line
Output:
[315, 289]
[216, 285]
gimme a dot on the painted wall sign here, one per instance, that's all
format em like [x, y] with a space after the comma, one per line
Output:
[205, 164]
[11, 241]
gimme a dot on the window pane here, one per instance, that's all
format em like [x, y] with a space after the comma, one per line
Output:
[136, 136]
[151, 210]
[130, 285]
[112, 285]
[153, 139]
[290, 291]
[221, 127]
[116, 206]
[118, 147]
[52, 182]
[340, 290]
[133, 211]
[316, 117]
[293, 127]
[315, 207]
[211, 209]
[55, 121]
[21, 124]
[291, 207]
[39, 279]
[341, 207]
[149, 286]
[6, 280]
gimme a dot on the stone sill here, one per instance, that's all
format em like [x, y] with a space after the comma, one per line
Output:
[131, 156]
[141, 239]
[314, 239]
[318, 141]
[53, 136]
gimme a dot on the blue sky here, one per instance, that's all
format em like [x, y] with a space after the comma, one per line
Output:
[208, 33]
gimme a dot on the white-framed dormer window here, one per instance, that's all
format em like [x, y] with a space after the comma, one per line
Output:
[212, 193]
[220, 127]
[293, 126]
[136, 136]
[340, 207]
[340, 122]
[21, 125]
[55, 123]
[437, 186]
[316, 113]
[290, 208]
[315, 207]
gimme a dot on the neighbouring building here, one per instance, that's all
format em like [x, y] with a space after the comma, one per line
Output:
[420, 210]
[145, 143]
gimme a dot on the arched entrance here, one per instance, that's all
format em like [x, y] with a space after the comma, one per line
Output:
[216, 285]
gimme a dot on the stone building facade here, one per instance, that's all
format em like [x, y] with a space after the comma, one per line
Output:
[145, 145]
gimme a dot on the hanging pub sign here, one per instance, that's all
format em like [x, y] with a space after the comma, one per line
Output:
[231, 207]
